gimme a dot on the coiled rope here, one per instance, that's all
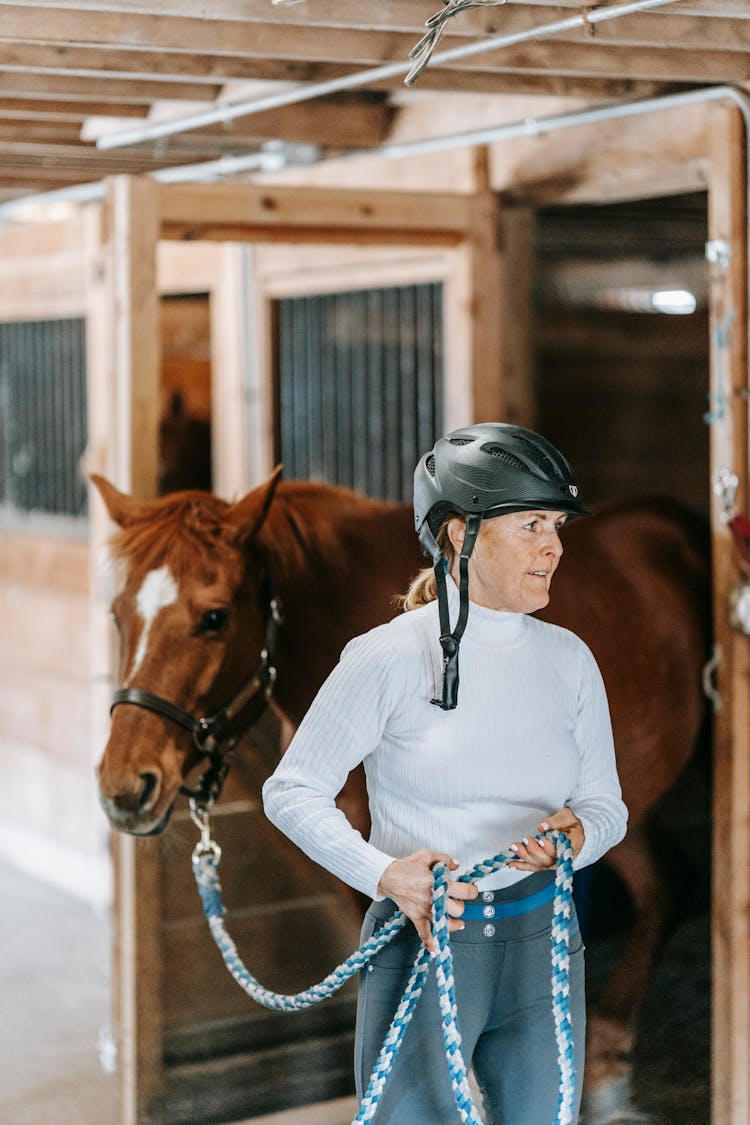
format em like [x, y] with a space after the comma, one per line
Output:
[206, 860]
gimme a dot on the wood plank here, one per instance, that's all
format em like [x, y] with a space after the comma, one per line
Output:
[133, 207]
[30, 290]
[17, 83]
[287, 950]
[41, 240]
[663, 153]
[49, 796]
[128, 358]
[731, 779]
[389, 14]
[58, 109]
[316, 35]
[91, 63]
[291, 214]
[51, 563]
[670, 29]
[46, 710]
[45, 631]
[589, 59]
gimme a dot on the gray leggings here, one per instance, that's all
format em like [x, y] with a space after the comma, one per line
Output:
[504, 1000]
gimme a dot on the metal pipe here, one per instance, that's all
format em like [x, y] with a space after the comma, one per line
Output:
[538, 126]
[307, 91]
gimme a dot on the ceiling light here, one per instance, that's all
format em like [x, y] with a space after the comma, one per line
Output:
[676, 302]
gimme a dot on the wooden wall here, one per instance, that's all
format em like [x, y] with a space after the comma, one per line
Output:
[51, 825]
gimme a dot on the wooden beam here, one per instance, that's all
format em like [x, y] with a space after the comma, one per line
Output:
[663, 152]
[727, 220]
[134, 216]
[129, 369]
[262, 213]
[388, 14]
[364, 35]
[16, 83]
[589, 59]
[58, 109]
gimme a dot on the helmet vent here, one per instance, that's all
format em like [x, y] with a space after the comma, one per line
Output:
[461, 440]
[543, 462]
[501, 454]
[430, 464]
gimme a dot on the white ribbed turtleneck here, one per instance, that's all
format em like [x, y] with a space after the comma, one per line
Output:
[530, 735]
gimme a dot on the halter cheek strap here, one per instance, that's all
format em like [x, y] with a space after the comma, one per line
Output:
[450, 639]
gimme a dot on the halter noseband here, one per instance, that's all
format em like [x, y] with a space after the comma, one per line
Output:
[208, 730]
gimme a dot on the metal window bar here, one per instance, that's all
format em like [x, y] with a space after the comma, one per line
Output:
[43, 416]
[360, 385]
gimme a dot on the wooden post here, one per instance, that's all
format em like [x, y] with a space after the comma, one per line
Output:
[497, 278]
[131, 232]
[133, 212]
[729, 450]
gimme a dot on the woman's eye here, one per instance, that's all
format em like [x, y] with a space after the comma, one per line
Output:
[213, 620]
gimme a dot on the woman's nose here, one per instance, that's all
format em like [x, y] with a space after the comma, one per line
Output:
[553, 546]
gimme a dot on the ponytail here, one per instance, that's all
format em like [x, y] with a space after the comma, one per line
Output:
[423, 588]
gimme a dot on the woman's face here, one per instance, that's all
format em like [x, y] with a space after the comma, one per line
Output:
[513, 560]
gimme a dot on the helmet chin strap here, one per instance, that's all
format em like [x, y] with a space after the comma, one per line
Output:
[450, 639]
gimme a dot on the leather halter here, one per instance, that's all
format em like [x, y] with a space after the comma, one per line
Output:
[208, 731]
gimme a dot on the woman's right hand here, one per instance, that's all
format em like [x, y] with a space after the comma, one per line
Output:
[409, 883]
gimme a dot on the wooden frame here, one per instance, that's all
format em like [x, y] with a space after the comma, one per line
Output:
[731, 779]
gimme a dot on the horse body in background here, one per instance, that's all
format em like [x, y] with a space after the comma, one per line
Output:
[199, 574]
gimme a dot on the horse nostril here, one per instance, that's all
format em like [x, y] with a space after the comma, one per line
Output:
[149, 790]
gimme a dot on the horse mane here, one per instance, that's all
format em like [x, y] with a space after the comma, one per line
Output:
[185, 527]
[308, 521]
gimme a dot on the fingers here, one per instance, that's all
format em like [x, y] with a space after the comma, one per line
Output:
[533, 854]
[566, 821]
[457, 894]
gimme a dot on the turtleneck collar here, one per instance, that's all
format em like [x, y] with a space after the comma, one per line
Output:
[486, 626]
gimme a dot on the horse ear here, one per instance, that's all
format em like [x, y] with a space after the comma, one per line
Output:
[123, 509]
[248, 514]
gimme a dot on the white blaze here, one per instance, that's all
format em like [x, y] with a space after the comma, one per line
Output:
[159, 590]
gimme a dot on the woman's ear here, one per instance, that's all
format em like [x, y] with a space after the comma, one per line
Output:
[456, 533]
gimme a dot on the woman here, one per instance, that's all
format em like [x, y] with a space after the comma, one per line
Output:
[528, 747]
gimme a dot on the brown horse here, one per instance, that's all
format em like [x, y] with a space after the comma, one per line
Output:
[192, 615]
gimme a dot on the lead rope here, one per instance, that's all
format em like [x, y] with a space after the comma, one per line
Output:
[206, 861]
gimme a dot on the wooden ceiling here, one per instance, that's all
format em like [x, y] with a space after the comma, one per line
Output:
[65, 66]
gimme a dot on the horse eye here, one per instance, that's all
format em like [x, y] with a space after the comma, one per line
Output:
[213, 620]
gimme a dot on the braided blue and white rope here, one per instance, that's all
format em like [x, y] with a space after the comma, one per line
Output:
[206, 870]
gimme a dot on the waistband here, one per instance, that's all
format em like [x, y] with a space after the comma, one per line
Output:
[489, 904]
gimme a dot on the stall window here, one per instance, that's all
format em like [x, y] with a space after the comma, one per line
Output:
[42, 416]
[359, 386]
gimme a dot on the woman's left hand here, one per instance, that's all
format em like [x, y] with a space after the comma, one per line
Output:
[537, 855]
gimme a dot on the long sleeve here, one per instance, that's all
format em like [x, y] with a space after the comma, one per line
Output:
[343, 725]
[597, 800]
[531, 734]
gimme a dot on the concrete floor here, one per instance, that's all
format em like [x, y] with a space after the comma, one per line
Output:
[54, 983]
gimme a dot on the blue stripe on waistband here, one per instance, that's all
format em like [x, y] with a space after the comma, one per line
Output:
[487, 910]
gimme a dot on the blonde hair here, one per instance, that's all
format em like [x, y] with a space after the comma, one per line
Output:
[423, 588]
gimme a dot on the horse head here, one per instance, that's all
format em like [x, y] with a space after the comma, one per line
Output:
[190, 605]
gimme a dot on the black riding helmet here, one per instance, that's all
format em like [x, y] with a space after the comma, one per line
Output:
[482, 471]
